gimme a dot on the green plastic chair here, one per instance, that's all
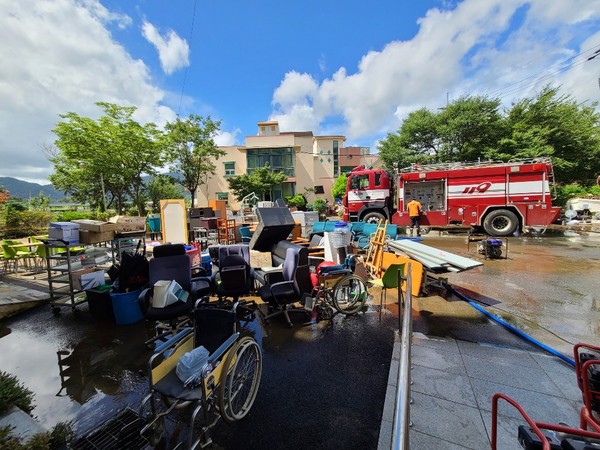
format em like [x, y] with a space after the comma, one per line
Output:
[13, 255]
[388, 281]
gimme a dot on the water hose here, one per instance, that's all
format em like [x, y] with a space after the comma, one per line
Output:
[509, 326]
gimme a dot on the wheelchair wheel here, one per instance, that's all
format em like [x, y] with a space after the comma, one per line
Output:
[240, 379]
[349, 294]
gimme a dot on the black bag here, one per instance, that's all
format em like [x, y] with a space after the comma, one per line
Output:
[133, 270]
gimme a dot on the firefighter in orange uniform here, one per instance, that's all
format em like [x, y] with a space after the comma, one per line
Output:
[414, 209]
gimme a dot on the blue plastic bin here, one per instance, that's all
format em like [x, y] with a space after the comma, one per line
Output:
[126, 308]
[154, 224]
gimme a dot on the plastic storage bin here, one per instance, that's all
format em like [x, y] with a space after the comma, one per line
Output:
[341, 236]
[65, 231]
[126, 308]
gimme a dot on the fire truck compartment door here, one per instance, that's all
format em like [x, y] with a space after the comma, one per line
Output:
[525, 187]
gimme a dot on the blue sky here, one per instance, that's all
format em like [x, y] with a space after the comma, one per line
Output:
[331, 67]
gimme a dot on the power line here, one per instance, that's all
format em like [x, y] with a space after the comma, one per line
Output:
[186, 67]
[561, 66]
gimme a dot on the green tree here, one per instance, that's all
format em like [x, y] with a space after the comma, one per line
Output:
[109, 155]
[473, 128]
[339, 187]
[161, 187]
[557, 126]
[469, 128]
[39, 203]
[417, 141]
[262, 180]
[191, 150]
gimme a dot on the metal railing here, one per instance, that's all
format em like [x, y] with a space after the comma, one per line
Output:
[400, 433]
[471, 164]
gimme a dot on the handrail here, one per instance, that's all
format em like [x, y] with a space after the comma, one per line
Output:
[400, 437]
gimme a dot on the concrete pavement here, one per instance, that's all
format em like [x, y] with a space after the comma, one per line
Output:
[453, 382]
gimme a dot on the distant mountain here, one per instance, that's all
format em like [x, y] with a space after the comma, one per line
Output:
[24, 189]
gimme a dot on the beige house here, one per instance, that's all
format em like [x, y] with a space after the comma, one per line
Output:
[309, 162]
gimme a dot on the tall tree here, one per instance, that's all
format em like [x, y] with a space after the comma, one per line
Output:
[191, 150]
[161, 187]
[109, 155]
[262, 180]
[417, 141]
[555, 125]
[474, 127]
[469, 127]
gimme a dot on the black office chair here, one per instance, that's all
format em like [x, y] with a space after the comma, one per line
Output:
[234, 278]
[281, 295]
[171, 262]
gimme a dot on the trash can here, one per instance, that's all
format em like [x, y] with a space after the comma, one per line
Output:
[126, 308]
[341, 237]
[100, 303]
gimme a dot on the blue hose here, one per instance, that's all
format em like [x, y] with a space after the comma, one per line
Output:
[510, 327]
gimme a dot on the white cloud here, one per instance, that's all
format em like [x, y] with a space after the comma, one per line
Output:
[173, 51]
[58, 57]
[475, 48]
[227, 138]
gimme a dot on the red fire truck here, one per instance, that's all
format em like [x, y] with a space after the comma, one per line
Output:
[500, 197]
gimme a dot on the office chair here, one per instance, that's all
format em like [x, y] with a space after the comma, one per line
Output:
[171, 262]
[281, 295]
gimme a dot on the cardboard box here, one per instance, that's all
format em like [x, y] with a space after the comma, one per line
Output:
[66, 231]
[90, 237]
[96, 226]
[87, 278]
[129, 223]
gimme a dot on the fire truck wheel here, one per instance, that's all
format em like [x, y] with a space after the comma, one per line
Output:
[373, 217]
[500, 222]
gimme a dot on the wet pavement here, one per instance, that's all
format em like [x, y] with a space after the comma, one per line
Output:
[324, 384]
[317, 377]
[548, 288]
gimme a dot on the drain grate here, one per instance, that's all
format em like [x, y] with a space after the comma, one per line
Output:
[120, 432]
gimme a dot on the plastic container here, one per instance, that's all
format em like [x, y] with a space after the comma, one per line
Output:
[154, 224]
[126, 308]
[206, 262]
[341, 237]
[100, 303]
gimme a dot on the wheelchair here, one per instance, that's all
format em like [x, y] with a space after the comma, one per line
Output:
[225, 387]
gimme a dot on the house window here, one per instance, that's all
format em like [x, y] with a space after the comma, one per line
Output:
[229, 169]
[278, 159]
[223, 196]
